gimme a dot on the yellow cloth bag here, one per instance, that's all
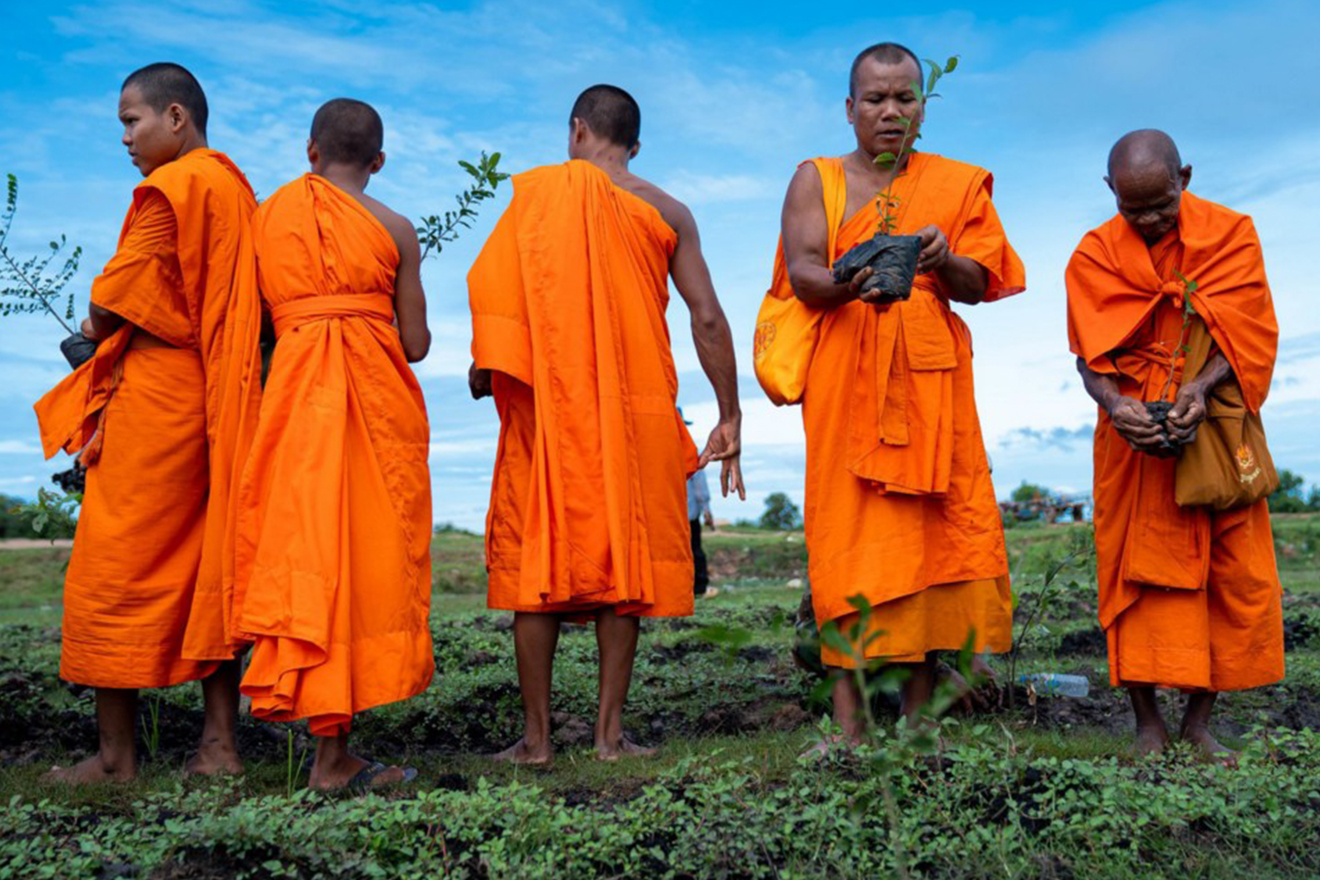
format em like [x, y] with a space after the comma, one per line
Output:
[786, 327]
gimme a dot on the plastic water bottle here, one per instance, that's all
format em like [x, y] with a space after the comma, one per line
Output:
[1054, 684]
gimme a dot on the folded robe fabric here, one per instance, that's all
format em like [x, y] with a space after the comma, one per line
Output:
[1188, 597]
[900, 509]
[588, 502]
[334, 522]
[162, 429]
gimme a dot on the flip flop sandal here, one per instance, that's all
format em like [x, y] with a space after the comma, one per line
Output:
[363, 779]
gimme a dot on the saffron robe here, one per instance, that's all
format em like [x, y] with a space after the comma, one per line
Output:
[162, 425]
[900, 508]
[1189, 598]
[334, 522]
[588, 502]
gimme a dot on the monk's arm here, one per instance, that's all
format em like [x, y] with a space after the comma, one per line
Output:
[152, 234]
[1129, 415]
[962, 279]
[805, 238]
[409, 298]
[100, 323]
[714, 342]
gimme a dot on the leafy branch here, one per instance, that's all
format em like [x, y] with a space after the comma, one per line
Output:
[438, 230]
[29, 285]
[1189, 312]
[886, 202]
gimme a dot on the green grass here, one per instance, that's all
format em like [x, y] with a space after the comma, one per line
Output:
[1039, 791]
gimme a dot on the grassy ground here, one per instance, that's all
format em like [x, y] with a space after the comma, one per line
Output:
[1041, 790]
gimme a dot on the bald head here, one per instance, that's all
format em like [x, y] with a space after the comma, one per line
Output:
[882, 53]
[165, 83]
[610, 113]
[349, 132]
[1143, 150]
[1147, 177]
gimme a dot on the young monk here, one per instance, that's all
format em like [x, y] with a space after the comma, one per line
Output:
[900, 509]
[1189, 598]
[162, 415]
[588, 515]
[334, 565]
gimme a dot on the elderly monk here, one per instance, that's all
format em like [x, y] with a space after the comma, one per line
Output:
[162, 415]
[1189, 598]
[588, 514]
[900, 510]
[334, 530]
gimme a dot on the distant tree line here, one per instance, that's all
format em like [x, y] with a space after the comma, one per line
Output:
[1292, 496]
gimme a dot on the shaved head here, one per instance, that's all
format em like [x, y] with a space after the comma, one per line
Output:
[1147, 177]
[885, 53]
[1142, 149]
[166, 83]
[349, 132]
[610, 113]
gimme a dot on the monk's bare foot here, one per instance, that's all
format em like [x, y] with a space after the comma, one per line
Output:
[522, 753]
[92, 771]
[1150, 742]
[339, 774]
[621, 748]
[1211, 750]
[214, 759]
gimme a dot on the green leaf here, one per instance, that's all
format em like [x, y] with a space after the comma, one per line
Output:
[885, 159]
[952, 64]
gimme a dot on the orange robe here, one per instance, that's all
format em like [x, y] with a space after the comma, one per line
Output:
[334, 529]
[588, 503]
[162, 425]
[900, 509]
[1189, 598]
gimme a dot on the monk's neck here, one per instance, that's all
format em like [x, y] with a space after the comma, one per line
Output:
[876, 177]
[346, 177]
[612, 160]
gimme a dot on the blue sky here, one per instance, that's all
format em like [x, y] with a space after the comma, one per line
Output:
[733, 96]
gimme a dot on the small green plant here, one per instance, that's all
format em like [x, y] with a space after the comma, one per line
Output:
[293, 771]
[438, 230]
[887, 203]
[1188, 313]
[53, 515]
[30, 285]
[1052, 587]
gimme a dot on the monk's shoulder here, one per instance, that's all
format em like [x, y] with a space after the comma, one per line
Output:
[398, 226]
[198, 172]
[971, 175]
[675, 213]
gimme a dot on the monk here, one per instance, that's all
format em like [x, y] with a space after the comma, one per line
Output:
[161, 415]
[334, 522]
[900, 510]
[1189, 598]
[588, 513]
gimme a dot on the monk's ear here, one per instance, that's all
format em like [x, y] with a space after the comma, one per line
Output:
[636, 148]
[313, 153]
[176, 117]
[1185, 175]
[848, 106]
[377, 163]
[1110, 183]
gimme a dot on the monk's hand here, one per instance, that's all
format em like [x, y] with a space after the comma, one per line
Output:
[855, 287]
[725, 446]
[88, 330]
[1135, 425]
[934, 250]
[1189, 410]
[479, 382]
